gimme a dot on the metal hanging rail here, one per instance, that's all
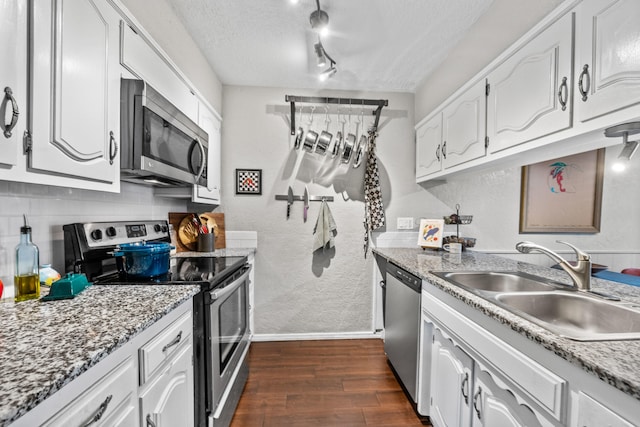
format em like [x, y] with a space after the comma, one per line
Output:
[339, 101]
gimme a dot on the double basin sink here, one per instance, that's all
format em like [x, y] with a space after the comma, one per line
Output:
[556, 307]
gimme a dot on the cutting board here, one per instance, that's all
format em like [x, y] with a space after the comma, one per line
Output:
[186, 234]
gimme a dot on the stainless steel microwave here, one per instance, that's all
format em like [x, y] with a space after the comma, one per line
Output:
[160, 145]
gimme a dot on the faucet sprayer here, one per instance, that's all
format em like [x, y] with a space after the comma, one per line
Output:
[580, 273]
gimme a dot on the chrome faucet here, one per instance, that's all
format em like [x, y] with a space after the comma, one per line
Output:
[580, 273]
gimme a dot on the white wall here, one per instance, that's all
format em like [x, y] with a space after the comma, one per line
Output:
[49, 208]
[297, 291]
[493, 198]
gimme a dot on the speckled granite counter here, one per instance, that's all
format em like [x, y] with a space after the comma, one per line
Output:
[45, 345]
[615, 362]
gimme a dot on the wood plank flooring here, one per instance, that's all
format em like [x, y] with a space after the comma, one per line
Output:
[322, 383]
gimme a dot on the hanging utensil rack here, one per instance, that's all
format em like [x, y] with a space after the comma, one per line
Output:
[292, 99]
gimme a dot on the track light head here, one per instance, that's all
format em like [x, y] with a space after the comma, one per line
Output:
[319, 21]
[321, 58]
[328, 73]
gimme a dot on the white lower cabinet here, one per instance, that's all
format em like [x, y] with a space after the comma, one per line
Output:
[451, 382]
[480, 374]
[168, 399]
[110, 401]
[592, 413]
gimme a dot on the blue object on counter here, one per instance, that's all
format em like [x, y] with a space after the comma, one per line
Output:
[67, 287]
[618, 277]
[143, 259]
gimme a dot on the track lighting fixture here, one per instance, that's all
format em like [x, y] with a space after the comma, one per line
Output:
[319, 20]
[329, 72]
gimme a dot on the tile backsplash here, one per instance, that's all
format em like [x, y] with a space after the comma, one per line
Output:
[48, 208]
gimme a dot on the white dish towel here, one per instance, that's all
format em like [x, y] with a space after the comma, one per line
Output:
[325, 229]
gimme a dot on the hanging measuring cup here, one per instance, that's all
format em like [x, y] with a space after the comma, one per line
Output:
[362, 144]
[349, 143]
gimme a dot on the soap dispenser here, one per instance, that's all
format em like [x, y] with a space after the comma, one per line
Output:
[27, 279]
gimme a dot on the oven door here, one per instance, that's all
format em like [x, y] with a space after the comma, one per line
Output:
[228, 337]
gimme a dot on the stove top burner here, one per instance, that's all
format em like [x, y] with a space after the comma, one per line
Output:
[187, 270]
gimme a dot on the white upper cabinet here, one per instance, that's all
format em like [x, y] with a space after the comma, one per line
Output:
[428, 147]
[529, 94]
[75, 88]
[13, 72]
[210, 123]
[144, 61]
[608, 57]
[464, 127]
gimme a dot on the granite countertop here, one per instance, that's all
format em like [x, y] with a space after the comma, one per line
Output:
[45, 345]
[615, 362]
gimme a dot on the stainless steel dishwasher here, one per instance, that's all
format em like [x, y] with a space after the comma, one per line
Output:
[402, 325]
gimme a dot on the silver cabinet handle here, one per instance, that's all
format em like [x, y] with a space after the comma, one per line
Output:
[476, 398]
[444, 150]
[8, 97]
[563, 94]
[584, 90]
[113, 147]
[438, 152]
[150, 422]
[173, 342]
[99, 412]
[464, 388]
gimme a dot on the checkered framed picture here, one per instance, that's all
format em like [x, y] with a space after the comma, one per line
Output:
[249, 181]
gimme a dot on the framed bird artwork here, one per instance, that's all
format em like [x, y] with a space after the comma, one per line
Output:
[430, 233]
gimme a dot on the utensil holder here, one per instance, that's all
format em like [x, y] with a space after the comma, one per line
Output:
[206, 242]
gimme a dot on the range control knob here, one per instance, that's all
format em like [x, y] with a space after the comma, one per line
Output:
[111, 231]
[157, 228]
[96, 234]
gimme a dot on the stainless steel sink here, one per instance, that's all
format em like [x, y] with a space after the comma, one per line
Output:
[489, 281]
[559, 308]
[574, 315]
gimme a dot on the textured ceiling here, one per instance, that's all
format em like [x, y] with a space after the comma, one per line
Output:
[379, 45]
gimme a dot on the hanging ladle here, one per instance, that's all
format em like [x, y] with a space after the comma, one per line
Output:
[311, 137]
[325, 136]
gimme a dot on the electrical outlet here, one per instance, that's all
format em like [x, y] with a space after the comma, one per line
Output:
[405, 223]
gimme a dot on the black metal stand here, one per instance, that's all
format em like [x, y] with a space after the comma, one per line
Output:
[339, 101]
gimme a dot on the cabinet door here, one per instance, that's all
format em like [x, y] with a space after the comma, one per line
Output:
[144, 60]
[451, 384]
[428, 147]
[529, 95]
[592, 413]
[608, 62]
[75, 89]
[496, 407]
[210, 124]
[13, 71]
[168, 401]
[464, 127]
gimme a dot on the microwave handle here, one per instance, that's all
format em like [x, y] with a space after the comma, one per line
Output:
[204, 160]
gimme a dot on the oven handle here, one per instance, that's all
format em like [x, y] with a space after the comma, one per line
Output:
[229, 289]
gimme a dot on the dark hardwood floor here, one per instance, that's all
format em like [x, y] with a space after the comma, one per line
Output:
[322, 383]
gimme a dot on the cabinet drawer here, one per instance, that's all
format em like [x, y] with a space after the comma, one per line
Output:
[107, 402]
[154, 353]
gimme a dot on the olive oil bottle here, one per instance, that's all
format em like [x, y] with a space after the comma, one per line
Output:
[26, 281]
